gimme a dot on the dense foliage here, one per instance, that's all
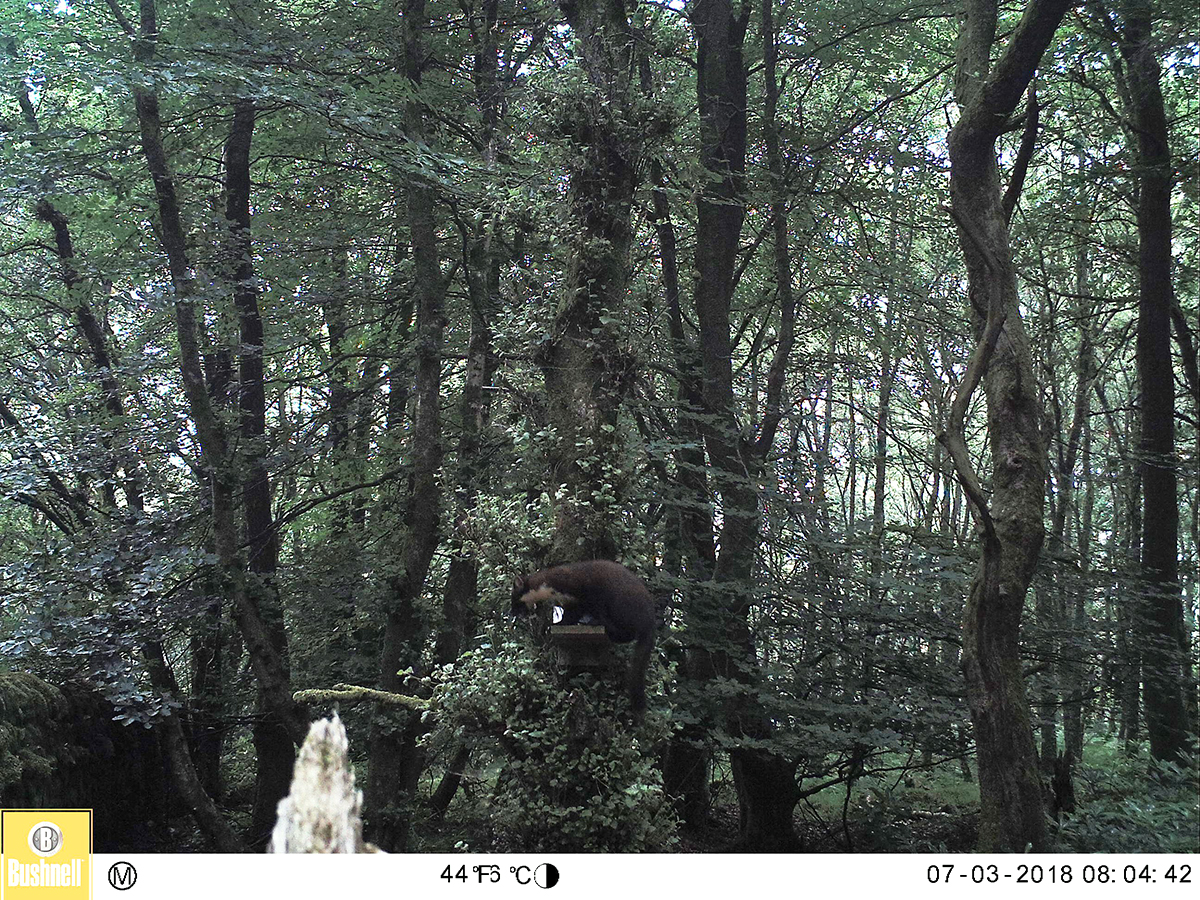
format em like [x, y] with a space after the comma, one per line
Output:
[319, 323]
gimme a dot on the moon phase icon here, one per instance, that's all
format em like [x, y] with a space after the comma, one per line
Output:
[546, 875]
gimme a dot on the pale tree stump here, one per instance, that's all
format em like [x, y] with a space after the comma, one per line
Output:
[322, 812]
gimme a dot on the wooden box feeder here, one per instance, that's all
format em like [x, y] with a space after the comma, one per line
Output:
[581, 647]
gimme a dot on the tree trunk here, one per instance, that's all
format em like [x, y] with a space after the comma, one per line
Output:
[183, 773]
[767, 791]
[395, 761]
[1079, 633]
[338, 558]
[196, 785]
[1126, 546]
[462, 577]
[207, 700]
[1011, 815]
[688, 761]
[103, 353]
[255, 602]
[586, 371]
[482, 268]
[1049, 620]
[272, 743]
[1161, 617]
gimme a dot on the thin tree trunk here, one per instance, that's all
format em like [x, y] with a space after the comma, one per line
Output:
[103, 353]
[272, 743]
[1078, 632]
[257, 629]
[688, 760]
[256, 610]
[207, 706]
[482, 267]
[765, 781]
[183, 773]
[395, 760]
[1161, 620]
[189, 779]
[339, 557]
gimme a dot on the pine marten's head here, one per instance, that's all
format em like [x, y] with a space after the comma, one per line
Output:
[524, 600]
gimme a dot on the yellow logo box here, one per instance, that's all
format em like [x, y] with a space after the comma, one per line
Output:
[46, 853]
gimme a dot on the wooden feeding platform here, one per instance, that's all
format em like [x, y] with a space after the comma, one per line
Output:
[581, 646]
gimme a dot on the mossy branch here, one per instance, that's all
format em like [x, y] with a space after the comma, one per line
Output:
[349, 693]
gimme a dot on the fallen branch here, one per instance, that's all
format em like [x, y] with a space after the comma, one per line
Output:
[349, 693]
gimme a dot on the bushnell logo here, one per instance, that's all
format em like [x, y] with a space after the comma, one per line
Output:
[47, 853]
[45, 839]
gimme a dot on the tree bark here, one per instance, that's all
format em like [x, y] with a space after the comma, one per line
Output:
[183, 772]
[1161, 616]
[104, 355]
[482, 270]
[1080, 435]
[586, 369]
[395, 761]
[273, 744]
[688, 759]
[186, 776]
[1011, 815]
[257, 612]
[208, 689]
[765, 781]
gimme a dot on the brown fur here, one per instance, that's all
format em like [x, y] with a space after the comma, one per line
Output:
[541, 595]
[610, 595]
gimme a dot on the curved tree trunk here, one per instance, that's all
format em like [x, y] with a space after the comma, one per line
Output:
[1012, 818]
[255, 602]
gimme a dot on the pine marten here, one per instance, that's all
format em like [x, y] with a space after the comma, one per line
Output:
[606, 593]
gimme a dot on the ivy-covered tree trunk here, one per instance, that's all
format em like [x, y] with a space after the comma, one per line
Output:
[1011, 815]
[586, 369]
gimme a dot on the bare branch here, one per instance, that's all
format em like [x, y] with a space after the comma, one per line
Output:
[954, 439]
[1016, 181]
[119, 15]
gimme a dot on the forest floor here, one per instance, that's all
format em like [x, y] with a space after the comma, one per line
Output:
[932, 811]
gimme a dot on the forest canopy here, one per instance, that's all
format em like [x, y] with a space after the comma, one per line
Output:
[863, 333]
